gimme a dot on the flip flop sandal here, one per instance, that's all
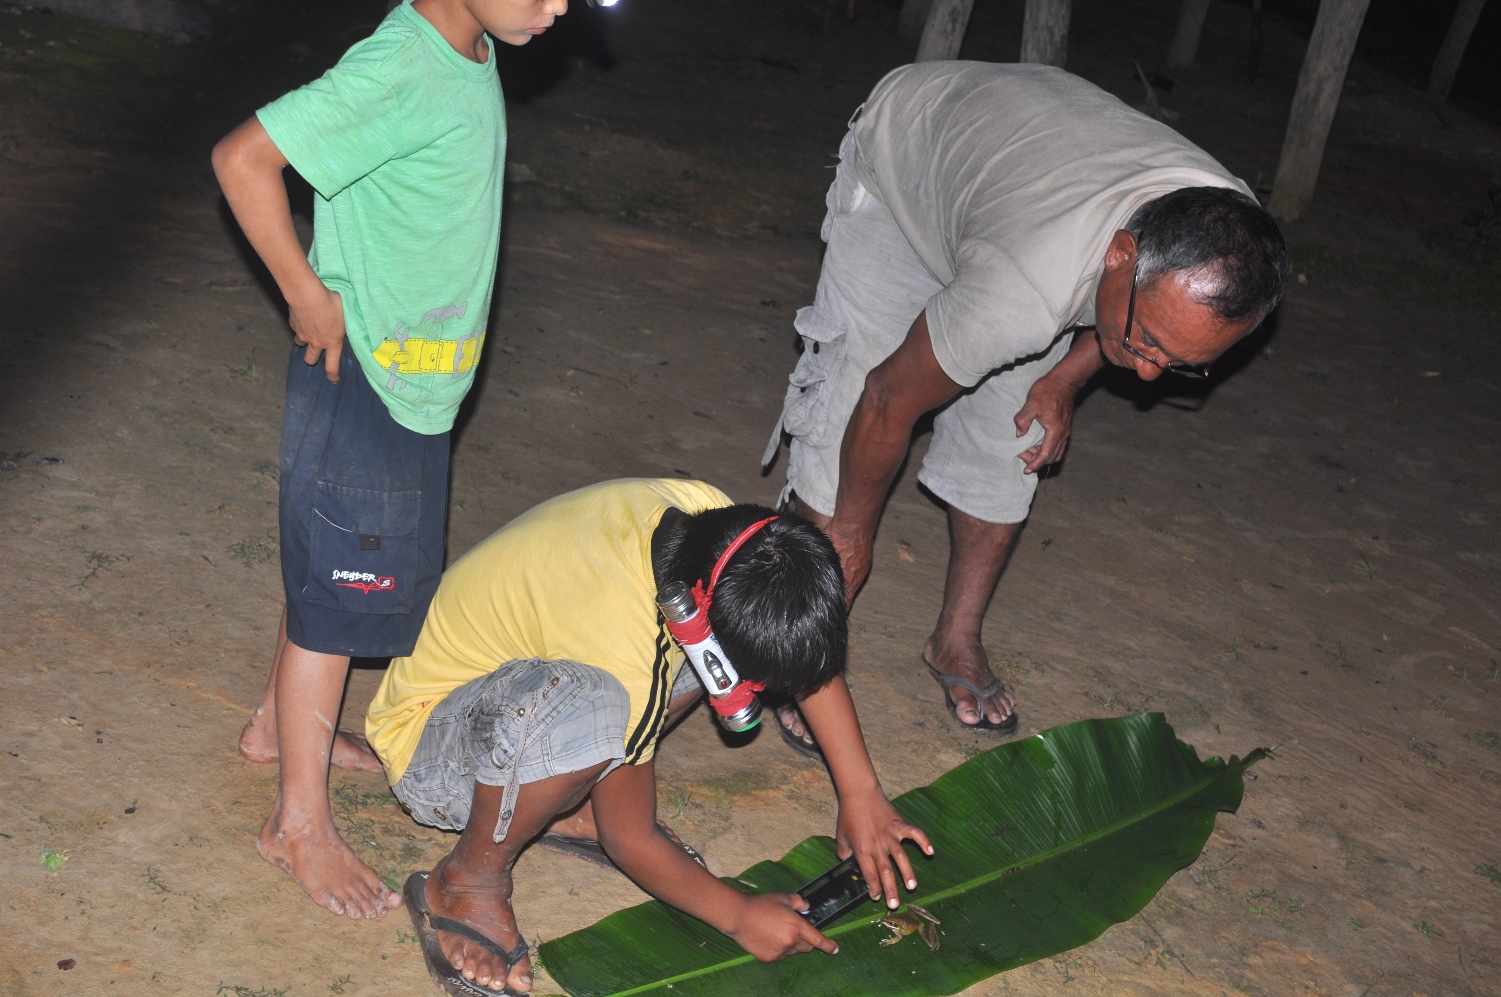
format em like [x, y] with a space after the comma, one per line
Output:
[804, 748]
[428, 924]
[591, 851]
[1005, 728]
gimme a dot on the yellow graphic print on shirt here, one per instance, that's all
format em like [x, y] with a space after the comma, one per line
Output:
[405, 354]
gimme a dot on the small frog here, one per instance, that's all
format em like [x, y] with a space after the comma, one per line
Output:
[906, 922]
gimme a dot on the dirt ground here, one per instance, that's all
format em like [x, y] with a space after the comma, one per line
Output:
[1305, 555]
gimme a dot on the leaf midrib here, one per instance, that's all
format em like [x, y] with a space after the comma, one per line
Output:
[968, 884]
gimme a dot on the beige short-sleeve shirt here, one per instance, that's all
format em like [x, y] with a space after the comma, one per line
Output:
[1009, 181]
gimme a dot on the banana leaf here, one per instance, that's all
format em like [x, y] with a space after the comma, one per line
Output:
[1040, 845]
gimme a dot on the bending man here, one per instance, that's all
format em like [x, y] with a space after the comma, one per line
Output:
[996, 234]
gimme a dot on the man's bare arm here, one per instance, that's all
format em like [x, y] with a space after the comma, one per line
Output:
[249, 167]
[897, 393]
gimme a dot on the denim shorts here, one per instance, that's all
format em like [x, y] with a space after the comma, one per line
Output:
[364, 503]
[524, 722]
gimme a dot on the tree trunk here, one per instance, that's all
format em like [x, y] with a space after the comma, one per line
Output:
[914, 15]
[1446, 65]
[944, 31]
[1186, 37]
[1045, 32]
[1319, 84]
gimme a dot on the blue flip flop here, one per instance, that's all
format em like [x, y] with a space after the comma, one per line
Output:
[1005, 728]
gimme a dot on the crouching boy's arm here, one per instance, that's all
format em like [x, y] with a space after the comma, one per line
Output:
[249, 165]
[869, 826]
[767, 926]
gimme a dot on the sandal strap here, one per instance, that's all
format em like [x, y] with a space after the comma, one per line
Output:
[440, 923]
[995, 688]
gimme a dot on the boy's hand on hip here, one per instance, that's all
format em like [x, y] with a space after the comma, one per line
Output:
[318, 323]
[770, 928]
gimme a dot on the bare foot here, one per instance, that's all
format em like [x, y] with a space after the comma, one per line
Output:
[483, 904]
[791, 719]
[315, 856]
[579, 823]
[576, 823]
[970, 661]
[351, 751]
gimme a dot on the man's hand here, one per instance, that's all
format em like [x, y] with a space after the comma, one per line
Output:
[769, 928]
[870, 829]
[318, 324]
[1051, 403]
[854, 550]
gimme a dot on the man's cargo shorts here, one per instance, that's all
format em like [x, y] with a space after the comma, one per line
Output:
[871, 289]
[364, 502]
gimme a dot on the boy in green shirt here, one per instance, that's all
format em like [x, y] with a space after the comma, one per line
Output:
[404, 143]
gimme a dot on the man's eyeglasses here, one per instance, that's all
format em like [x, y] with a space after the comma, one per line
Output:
[1197, 372]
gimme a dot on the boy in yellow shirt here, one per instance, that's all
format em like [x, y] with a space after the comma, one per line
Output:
[544, 676]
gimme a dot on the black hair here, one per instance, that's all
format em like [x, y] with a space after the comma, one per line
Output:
[1221, 232]
[779, 610]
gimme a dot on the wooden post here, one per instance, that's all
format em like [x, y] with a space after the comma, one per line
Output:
[1186, 37]
[944, 31]
[914, 15]
[1045, 32]
[1319, 84]
[1446, 65]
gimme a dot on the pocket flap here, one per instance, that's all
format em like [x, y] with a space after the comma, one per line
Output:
[368, 512]
[817, 325]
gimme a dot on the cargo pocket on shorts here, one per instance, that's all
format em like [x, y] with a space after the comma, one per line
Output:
[364, 555]
[805, 415]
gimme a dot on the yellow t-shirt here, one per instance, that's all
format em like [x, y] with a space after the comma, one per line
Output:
[571, 579]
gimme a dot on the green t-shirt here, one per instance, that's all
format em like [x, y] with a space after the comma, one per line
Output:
[404, 141]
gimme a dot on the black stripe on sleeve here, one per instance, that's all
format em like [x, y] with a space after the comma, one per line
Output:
[645, 734]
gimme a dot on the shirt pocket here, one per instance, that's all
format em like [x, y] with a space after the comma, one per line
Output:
[364, 553]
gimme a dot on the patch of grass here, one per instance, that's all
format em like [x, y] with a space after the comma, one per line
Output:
[97, 561]
[402, 938]
[1368, 568]
[52, 858]
[1422, 750]
[1409, 805]
[253, 551]
[1354, 924]
[153, 880]
[681, 798]
[1427, 930]
[1489, 872]
[339, 983]
[742, 783]
[1267, 903]
[1487, 739]
[239, 990]
[249, 372]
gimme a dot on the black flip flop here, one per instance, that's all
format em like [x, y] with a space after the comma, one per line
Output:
[804, 748]
[1005, 728]
[592, 851]
[428, 924]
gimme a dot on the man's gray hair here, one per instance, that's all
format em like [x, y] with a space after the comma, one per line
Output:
[1230, 239]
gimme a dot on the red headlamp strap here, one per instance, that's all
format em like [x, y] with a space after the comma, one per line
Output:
[705, 598]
